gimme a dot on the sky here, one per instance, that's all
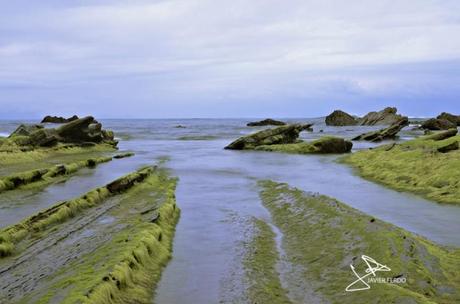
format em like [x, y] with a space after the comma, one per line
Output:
[213, 58]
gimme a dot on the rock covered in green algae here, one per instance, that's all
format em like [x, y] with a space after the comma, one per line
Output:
[280, 135]
[58, 119]
[340, 118]
[79, 131]
[455, 119]
[324, 145]
[266, 122]
[322, 237]
[416, 166]
[438, 124]
[26, 130]
[386, 133]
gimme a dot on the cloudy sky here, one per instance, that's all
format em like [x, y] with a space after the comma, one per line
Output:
[212, 58]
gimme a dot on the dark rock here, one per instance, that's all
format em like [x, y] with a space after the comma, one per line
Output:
[442, 135]
[450, 147]
[387, 133]
[25, 130]
[438, 124]
[332, 145]
[281, 135]
[340, 118]
[455, 119]
[58, 119]
[126, 182]
[123, 155]
[180, 127]
[83, 131]
[266, 122]
[387, 116]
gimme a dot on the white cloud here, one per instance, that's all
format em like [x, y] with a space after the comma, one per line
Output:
[200, 45]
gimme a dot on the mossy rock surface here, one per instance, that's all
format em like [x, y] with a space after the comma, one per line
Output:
[323, 237]
[102, 248]
[324, 145]
[416, 166]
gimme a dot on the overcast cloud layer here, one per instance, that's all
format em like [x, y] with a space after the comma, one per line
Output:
[210, 58]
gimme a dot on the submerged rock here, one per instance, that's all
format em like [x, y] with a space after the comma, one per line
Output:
[58, 119]
[455, 119]
[266, 122]
[282, 135]
[387, 133]
[340, 118]
[25, 130]
[387, 116]
[438, 124]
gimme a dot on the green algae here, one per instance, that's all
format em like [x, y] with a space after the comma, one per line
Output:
[322, 237]
[62, 211]
[44, 176]
[313, 147]
[260, 260]
[414, 166]
[127, 268]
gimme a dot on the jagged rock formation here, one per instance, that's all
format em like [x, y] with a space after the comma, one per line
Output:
[25, 130]
[387, 133]
[340, 118]
[387, 116]
[281, 135]
[438, 124]
[266, 122]
[85, 131]
[58, 119]
[455, 119]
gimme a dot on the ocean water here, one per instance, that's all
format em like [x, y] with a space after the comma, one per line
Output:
[217, 192]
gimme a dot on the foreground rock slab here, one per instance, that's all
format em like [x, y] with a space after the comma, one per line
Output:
[388, 133]
[103, 247]
[324, 238]
[281, 135]
[266, 122]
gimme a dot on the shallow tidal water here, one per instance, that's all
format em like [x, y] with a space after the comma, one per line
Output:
[217, 193]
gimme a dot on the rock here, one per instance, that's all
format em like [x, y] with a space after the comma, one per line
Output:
[438, 124]
[58, 119]
[266, 122]
[25, 130]
[340, 118]
[331, 144]
[450, 147]
[387, 116]
[387, 133]
[83, 131]
[123, 155]
[442, 135]
[280, 135]
[455, 119]
[180, 127]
